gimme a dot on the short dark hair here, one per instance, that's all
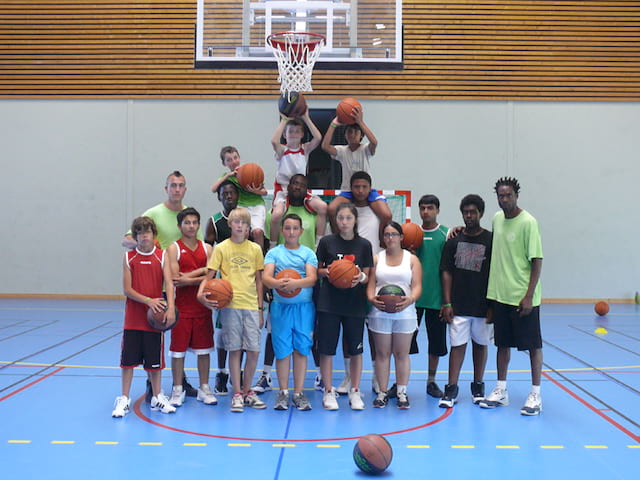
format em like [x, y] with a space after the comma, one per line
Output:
[175, 173]
[360, 175]
[224, 184]
[188, 211]
[227, 149]
[292, 216]
[294, 122]
[354, 126]
[429, 199]
[141, 225]
[472, 199]
[299, 175]
[507, 182]
[395, 225]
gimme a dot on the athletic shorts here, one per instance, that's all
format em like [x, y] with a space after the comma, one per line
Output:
[512, 330]
[280, 195]
[328, 333]
[373, 196]
[436, 332]
[258, 215]
[140, 347]
[387, 324]
[462, 329]
[292, 328]
[240, 329]
[194, 334]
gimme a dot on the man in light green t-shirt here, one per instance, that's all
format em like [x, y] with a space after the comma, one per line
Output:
[514, 288]
[165, 214]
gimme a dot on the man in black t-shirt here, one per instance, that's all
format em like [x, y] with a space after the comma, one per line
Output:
[464, 268]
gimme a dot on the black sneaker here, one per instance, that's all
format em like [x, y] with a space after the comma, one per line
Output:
[477, 392]
[188, 388]
[433, 390]
[149, 393]
[221, 384]
[381, 400]
[403, 401]
[450, 396]
[393, 391]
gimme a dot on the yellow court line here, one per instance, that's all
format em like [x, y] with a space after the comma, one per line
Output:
[282, 445]
[238, 444]
[18, 441]
[63, 442]
[463, 446]
[418, 446]
[152, 444]
[107, 443]
[326, 445]
[194, 444]
[633, 446]
[507, 447]
[552, 447]
[596, 446]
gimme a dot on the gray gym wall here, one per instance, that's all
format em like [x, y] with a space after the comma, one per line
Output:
[77, 172]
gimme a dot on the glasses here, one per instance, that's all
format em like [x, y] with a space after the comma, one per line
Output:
[391, 235]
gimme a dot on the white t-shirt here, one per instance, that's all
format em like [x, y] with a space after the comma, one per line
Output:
[352, 162]
[369, 227]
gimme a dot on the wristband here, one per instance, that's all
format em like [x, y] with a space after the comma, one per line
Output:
[147, 300]
[334, 125]
[446, 305]
[363, 277]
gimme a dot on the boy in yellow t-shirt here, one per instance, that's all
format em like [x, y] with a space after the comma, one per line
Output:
[241, 263]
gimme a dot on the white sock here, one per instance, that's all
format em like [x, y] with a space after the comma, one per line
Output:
[535, 389]
[502, 384]
[402, 389]
[223, 370]
[266, 368]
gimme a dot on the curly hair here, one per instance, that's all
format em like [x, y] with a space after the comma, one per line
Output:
[508, 182]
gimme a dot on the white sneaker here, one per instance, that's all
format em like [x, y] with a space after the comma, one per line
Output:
[533, 405]
[177, 396]
[206, 396]
[497, 398]
[121, 407]
[355, 399]
[161, 403]
[345, 386]
[329, 401]
[237, 403]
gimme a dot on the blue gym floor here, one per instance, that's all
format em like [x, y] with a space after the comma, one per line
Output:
[59, 377]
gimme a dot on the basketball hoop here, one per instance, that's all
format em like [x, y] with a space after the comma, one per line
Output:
[296, 53]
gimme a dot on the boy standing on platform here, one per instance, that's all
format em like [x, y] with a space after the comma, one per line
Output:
[144, 270]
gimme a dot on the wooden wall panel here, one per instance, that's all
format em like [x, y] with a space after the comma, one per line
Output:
[460, 49]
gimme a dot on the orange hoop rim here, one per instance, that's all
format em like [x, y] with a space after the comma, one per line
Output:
[276, 40]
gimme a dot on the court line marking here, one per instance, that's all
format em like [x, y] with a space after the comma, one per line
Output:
[508, 447]
[150, 444]
[19, 441]
[326, 445]
[238, 444]
[602, 447]
[463, 446]
[633, 446]
[283, 445]
[194, 444]
[24, 387]
[106, 443]
[418, 446]
[552, 447]
[63, 442]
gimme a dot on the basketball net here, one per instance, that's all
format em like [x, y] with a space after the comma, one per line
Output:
[296, 54]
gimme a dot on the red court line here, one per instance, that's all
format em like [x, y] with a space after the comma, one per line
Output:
[592, 408]
[138, 411]
[59, 369]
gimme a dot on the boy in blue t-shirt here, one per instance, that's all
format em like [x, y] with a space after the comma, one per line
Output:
[292, 314]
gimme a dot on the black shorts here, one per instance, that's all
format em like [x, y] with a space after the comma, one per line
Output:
[512, 330]
[436, 332]
[328, 332]
[144, 348]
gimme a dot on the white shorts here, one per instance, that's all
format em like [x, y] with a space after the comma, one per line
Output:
[463, 329]
[388, 325]
[258, 215]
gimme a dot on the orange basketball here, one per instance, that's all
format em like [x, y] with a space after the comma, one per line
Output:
[341, 273]
[219, 290]
[288, 273]
[344, 109]
[601, 308]
[250, 174]
[372, 454]
[411, 236]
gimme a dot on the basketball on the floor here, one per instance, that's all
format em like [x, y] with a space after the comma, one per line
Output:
[372, 454]
[156, 320]
[601, 308]
[288, 273]
[292, 105]
[341, 273]
[220, 290]
[250, 174]
[390, 295]
[344, 110]
[411, 236]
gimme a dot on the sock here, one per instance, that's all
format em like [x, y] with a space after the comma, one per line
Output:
[502, 384]
[177, 388]
[266, 369]
[402, 389]
[223, 370]
[535, 389]
[431, 377]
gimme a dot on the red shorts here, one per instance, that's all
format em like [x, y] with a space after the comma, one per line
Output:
[195, 334]
[278, 188]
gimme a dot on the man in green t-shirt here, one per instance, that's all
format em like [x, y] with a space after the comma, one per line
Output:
[514, 288]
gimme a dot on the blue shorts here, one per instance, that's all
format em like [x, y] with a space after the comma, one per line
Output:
[292, 327]
[373, 196]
